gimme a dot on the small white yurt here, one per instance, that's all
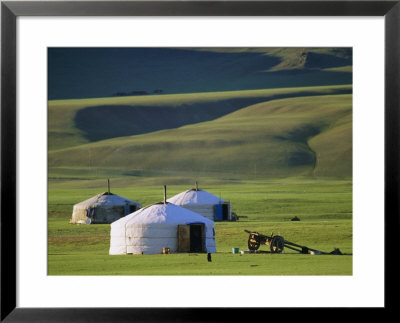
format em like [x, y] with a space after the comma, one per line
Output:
[204, 203]
[162, 225]
[103, 208]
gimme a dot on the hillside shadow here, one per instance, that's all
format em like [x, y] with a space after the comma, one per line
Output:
[93, 72]
[111, 121]
[318, 60]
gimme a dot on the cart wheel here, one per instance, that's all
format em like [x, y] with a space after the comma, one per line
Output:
[253, 242]
[277, 244]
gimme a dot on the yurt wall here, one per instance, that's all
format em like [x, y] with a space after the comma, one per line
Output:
[103, 208]
[204, 203]
[153, 228]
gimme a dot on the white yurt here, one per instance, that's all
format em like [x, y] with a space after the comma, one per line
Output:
[159, 226]
[103, 208]
[204, 203]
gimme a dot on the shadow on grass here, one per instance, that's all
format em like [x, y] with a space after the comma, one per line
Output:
[111, 121]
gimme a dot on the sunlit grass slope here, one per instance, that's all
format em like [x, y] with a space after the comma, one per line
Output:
[76, 122]
[286, 137]
[297, 58]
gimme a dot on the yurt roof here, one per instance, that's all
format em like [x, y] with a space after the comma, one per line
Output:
[161, 213]
[105, 199]
[193, 196]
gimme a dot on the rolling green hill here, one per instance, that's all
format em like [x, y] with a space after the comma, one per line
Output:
[309, 135]
[76, 122]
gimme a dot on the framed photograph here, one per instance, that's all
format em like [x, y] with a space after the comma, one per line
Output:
[183, 160]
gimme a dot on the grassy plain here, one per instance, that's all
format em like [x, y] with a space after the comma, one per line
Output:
[324, 207]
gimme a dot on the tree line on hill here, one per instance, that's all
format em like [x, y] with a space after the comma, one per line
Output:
[158, 91]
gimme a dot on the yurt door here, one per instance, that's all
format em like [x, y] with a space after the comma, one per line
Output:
[221, 212]
[191, 238]
[196, 238]
[225, 212]
[218, 212]
[183, 238]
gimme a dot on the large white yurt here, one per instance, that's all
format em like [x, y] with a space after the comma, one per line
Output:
[204, 203]
[103, 208]
[162, 225]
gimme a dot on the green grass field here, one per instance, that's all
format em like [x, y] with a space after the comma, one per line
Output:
[288, 155]
[324, 207]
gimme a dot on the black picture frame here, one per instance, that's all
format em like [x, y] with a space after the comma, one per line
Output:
[10, 10]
